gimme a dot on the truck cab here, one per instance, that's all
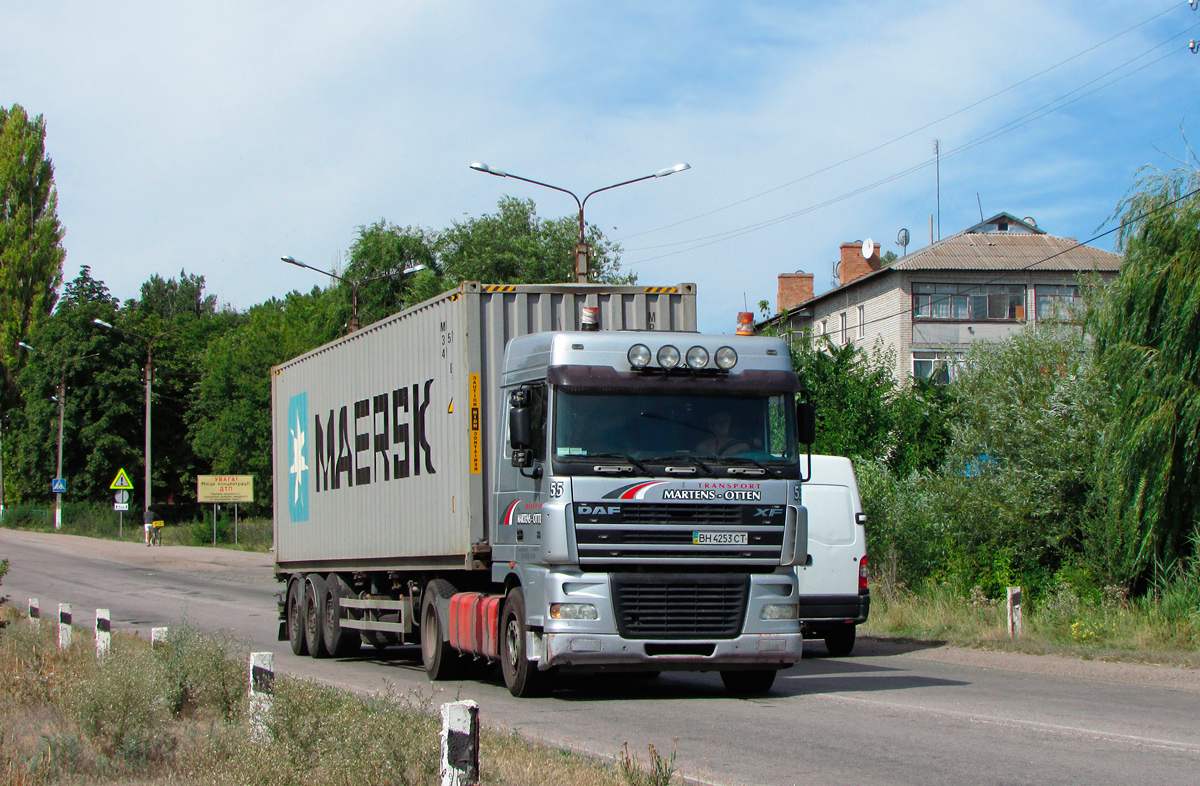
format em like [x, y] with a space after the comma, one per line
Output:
[647, 505]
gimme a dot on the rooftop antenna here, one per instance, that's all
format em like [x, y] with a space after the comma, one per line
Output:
[980, 206]
[902, 238]
[937, 165]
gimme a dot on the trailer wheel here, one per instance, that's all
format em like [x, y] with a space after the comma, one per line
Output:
[744, 684]
[340, 642]
[441, 661]
[840, 641]
[294, 616]
[520, 674]
[314, 615]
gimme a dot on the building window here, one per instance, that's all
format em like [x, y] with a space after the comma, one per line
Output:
[969, 302]
[1058, 302]
[935, 365]
[862, 321]
[843, 336]
[824, 328]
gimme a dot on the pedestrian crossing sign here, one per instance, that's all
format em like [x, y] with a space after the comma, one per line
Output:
[121, 482]
[58, 486]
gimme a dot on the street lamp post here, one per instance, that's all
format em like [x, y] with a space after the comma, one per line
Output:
[582, 250]
[62, 388]
[147, 516]
[353, 325]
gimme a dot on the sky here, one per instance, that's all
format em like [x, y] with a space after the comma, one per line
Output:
[217, 137]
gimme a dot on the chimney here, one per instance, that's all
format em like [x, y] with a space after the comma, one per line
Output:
[794, 289]
[853, 266]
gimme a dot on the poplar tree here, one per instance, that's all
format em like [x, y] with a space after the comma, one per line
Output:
[31, 252]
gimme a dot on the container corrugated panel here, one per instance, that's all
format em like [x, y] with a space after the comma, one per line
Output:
[396, 476]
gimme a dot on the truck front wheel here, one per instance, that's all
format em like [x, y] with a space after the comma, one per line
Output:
[748, 683]
[295, 616]
[441, 661]
[520, 674]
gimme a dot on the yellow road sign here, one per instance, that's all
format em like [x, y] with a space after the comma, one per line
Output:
[121, 482]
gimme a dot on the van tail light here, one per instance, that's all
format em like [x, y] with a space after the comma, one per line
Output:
[862, 574]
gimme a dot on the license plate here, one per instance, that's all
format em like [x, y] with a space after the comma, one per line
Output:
[719, 539]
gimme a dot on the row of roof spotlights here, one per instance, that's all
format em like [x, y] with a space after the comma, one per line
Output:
[669, 358]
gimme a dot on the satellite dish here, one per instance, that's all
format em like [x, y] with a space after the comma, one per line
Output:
[868, 248]
[1029, 220]
[902, 238]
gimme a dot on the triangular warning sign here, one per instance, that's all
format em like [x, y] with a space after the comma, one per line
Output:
[121, 482]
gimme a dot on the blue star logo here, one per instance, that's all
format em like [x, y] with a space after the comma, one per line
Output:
[298, 457]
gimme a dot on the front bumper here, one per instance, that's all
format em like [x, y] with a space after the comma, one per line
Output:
[613, 653]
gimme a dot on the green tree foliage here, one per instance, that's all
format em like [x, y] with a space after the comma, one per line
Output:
[1147, 332]
[516, 246]
[31, 252]
[230, 420]
[863, 412]
[379, 256]
[66, 350]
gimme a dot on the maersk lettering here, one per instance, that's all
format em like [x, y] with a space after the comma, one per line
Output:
[751, 496]
[383, 423]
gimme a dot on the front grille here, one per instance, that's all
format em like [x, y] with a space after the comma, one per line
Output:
[680, 606]
[618, 532]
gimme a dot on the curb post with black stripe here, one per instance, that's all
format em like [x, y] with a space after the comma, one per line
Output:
[262, 689]
[64, 626]
[103, 633]
[35, 613]
[460, 743]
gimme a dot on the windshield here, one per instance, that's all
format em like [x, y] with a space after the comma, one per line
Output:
[648, 426]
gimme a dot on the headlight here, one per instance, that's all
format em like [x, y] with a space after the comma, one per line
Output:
[780, 611]
[697, 358]
[639, 356]
[668, 357]
[581, 611]
[726, 358]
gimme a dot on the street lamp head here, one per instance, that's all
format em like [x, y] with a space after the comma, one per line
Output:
[23, 345]
[290, 260]
[672, 170]
[413, 269]
[102, 323]
[479, 166]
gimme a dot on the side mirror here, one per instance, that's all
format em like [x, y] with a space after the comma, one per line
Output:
[520, 429]
[806, 423]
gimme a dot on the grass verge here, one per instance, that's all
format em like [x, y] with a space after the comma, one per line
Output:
[1161, 627]
[178, 713]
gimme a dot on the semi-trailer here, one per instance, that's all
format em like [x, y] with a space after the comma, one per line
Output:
[554, 477]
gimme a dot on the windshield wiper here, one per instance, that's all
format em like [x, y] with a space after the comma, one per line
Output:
[622, 456]
[768, 469]
[683, 458]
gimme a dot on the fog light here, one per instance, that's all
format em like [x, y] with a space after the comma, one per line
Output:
[639, 356]
[583, 611]
[697, 358]
[780, 611]
[726, 358]
[668, 357]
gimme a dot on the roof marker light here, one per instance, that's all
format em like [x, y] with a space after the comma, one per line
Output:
[668, 357]
[726, 358]
[639, 356]
[697, 358]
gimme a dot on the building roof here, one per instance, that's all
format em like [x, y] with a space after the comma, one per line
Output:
[1000, 251]
[983, 247]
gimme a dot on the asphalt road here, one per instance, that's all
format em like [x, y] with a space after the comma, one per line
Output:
[889, 715]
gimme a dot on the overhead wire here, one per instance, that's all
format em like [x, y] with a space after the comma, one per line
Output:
[1045, 109]
[1036, 114]
[1035, 263]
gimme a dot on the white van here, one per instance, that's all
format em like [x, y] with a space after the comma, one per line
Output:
[834, 597]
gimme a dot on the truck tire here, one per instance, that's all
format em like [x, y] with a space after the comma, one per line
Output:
[840, 641]
[314, 615]
[441, 661]
[294, 616]
[744, 684]
[521, 675]
[340, 642]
